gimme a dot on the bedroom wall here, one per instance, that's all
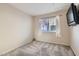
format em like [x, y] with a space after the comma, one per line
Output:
[75, 39]
[74, 32]
[15, 28]
[51, 37]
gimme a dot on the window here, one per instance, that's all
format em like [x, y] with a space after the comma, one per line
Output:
[48, 24]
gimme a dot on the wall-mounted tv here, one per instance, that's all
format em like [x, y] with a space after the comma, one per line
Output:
[72, 15]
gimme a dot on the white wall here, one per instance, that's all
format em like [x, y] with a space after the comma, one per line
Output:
[15, 28]
[51, 37]
[75, 39]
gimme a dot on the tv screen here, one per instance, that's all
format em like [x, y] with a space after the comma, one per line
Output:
[72, 15]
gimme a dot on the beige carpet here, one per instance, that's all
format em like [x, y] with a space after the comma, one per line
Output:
[41, 49]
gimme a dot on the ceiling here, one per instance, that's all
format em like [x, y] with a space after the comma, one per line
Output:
[38, 8]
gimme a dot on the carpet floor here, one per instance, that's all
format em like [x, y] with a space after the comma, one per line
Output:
[37, 48]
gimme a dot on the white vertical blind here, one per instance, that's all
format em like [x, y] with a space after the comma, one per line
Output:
[58, 30]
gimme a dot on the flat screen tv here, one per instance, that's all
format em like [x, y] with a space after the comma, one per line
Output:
[72, 15]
